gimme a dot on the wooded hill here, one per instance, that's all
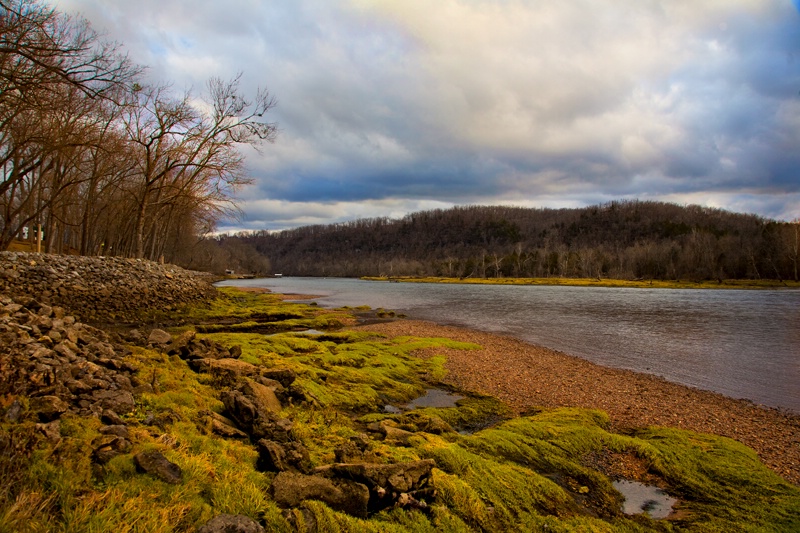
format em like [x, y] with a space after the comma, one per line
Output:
[625, 240]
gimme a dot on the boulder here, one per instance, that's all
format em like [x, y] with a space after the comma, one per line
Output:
[285, 457]
[119, 401]
[179, 345]
[390, 485]
[254, 407]
[48, 408]
[159, 336]
[225, 427]
[225, 368]
[284, 376]
[107, 447]
[154, 463]
[291, 489]
[119, 430]
[399, 477]
[263, 395]
[226, 523]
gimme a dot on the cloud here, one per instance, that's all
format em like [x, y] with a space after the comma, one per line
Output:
[385, 105]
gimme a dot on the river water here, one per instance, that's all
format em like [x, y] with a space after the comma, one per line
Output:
[744, 344]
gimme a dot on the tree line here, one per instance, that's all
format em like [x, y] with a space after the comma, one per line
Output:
[623, 240]
[96, 160]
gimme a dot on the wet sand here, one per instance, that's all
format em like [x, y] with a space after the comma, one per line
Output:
[526, 376]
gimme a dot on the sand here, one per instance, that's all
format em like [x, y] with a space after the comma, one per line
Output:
[526, 377]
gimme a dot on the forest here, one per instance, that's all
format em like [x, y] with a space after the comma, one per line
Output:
[620, 240]
[96, 159]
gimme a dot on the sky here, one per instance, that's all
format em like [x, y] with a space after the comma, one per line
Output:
[387, 107]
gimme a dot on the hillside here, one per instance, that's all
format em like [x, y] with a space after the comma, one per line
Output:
[624, 240]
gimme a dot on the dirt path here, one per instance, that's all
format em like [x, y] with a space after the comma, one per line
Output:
[527, 376]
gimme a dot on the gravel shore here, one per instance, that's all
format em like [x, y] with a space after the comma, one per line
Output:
[526, 376]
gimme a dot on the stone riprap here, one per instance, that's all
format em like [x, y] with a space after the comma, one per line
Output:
[100, 289]
[61, 364]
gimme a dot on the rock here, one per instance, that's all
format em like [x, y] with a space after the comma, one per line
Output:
[51, 431]
[118, 430]
[301, 519]
[225, 427]
[105, 288]
[254, 408]
[225, 368]
[226, 523]
[290, 490]
[14, 411]
[159, 336]
[109, 416]
[264, 396]
[399, 477]
[352, 451]
[154, 463]
[179, 345]
[119, 401]
[386, 482]
[135, 336]
[109, 446]
[397, 435]
[276, 457]
[284, 376]
[48, 408]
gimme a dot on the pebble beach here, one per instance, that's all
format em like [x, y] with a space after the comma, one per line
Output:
[527, 377]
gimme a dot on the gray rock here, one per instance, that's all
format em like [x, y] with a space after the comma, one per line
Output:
[225, 427]
[48, 408]
[119, 401]
[109, 416]
[286, 457]
[117, 429]
[226, 523]
[290, 490]
[14, 411]
[51, 431]
[398, 477]
[159, 336]
[154, 463]
[109, 446]
[254, 408]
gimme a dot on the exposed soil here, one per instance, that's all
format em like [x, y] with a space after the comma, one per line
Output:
[526, 376]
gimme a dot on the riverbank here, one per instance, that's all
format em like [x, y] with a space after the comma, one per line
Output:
[605, 282]
[529, 377]
[246, 411]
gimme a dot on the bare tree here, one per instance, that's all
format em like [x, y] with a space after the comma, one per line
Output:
[53, 68]
[189, 149]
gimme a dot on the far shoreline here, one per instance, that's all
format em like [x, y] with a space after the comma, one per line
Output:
[727, 284]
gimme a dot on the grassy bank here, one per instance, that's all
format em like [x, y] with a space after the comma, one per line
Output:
[549, 471]
[595, 282]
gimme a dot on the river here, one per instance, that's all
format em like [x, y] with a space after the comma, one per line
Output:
[741, 343]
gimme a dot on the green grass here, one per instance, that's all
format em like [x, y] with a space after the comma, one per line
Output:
[519, 474]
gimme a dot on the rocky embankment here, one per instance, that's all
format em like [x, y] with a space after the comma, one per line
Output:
[100, 289]
[52, 362]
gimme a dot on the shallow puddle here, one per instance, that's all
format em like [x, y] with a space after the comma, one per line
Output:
[435, 398]
[310, 332]
[641, 498]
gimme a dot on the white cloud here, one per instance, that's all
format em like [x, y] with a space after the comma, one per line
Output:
[386, 105]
